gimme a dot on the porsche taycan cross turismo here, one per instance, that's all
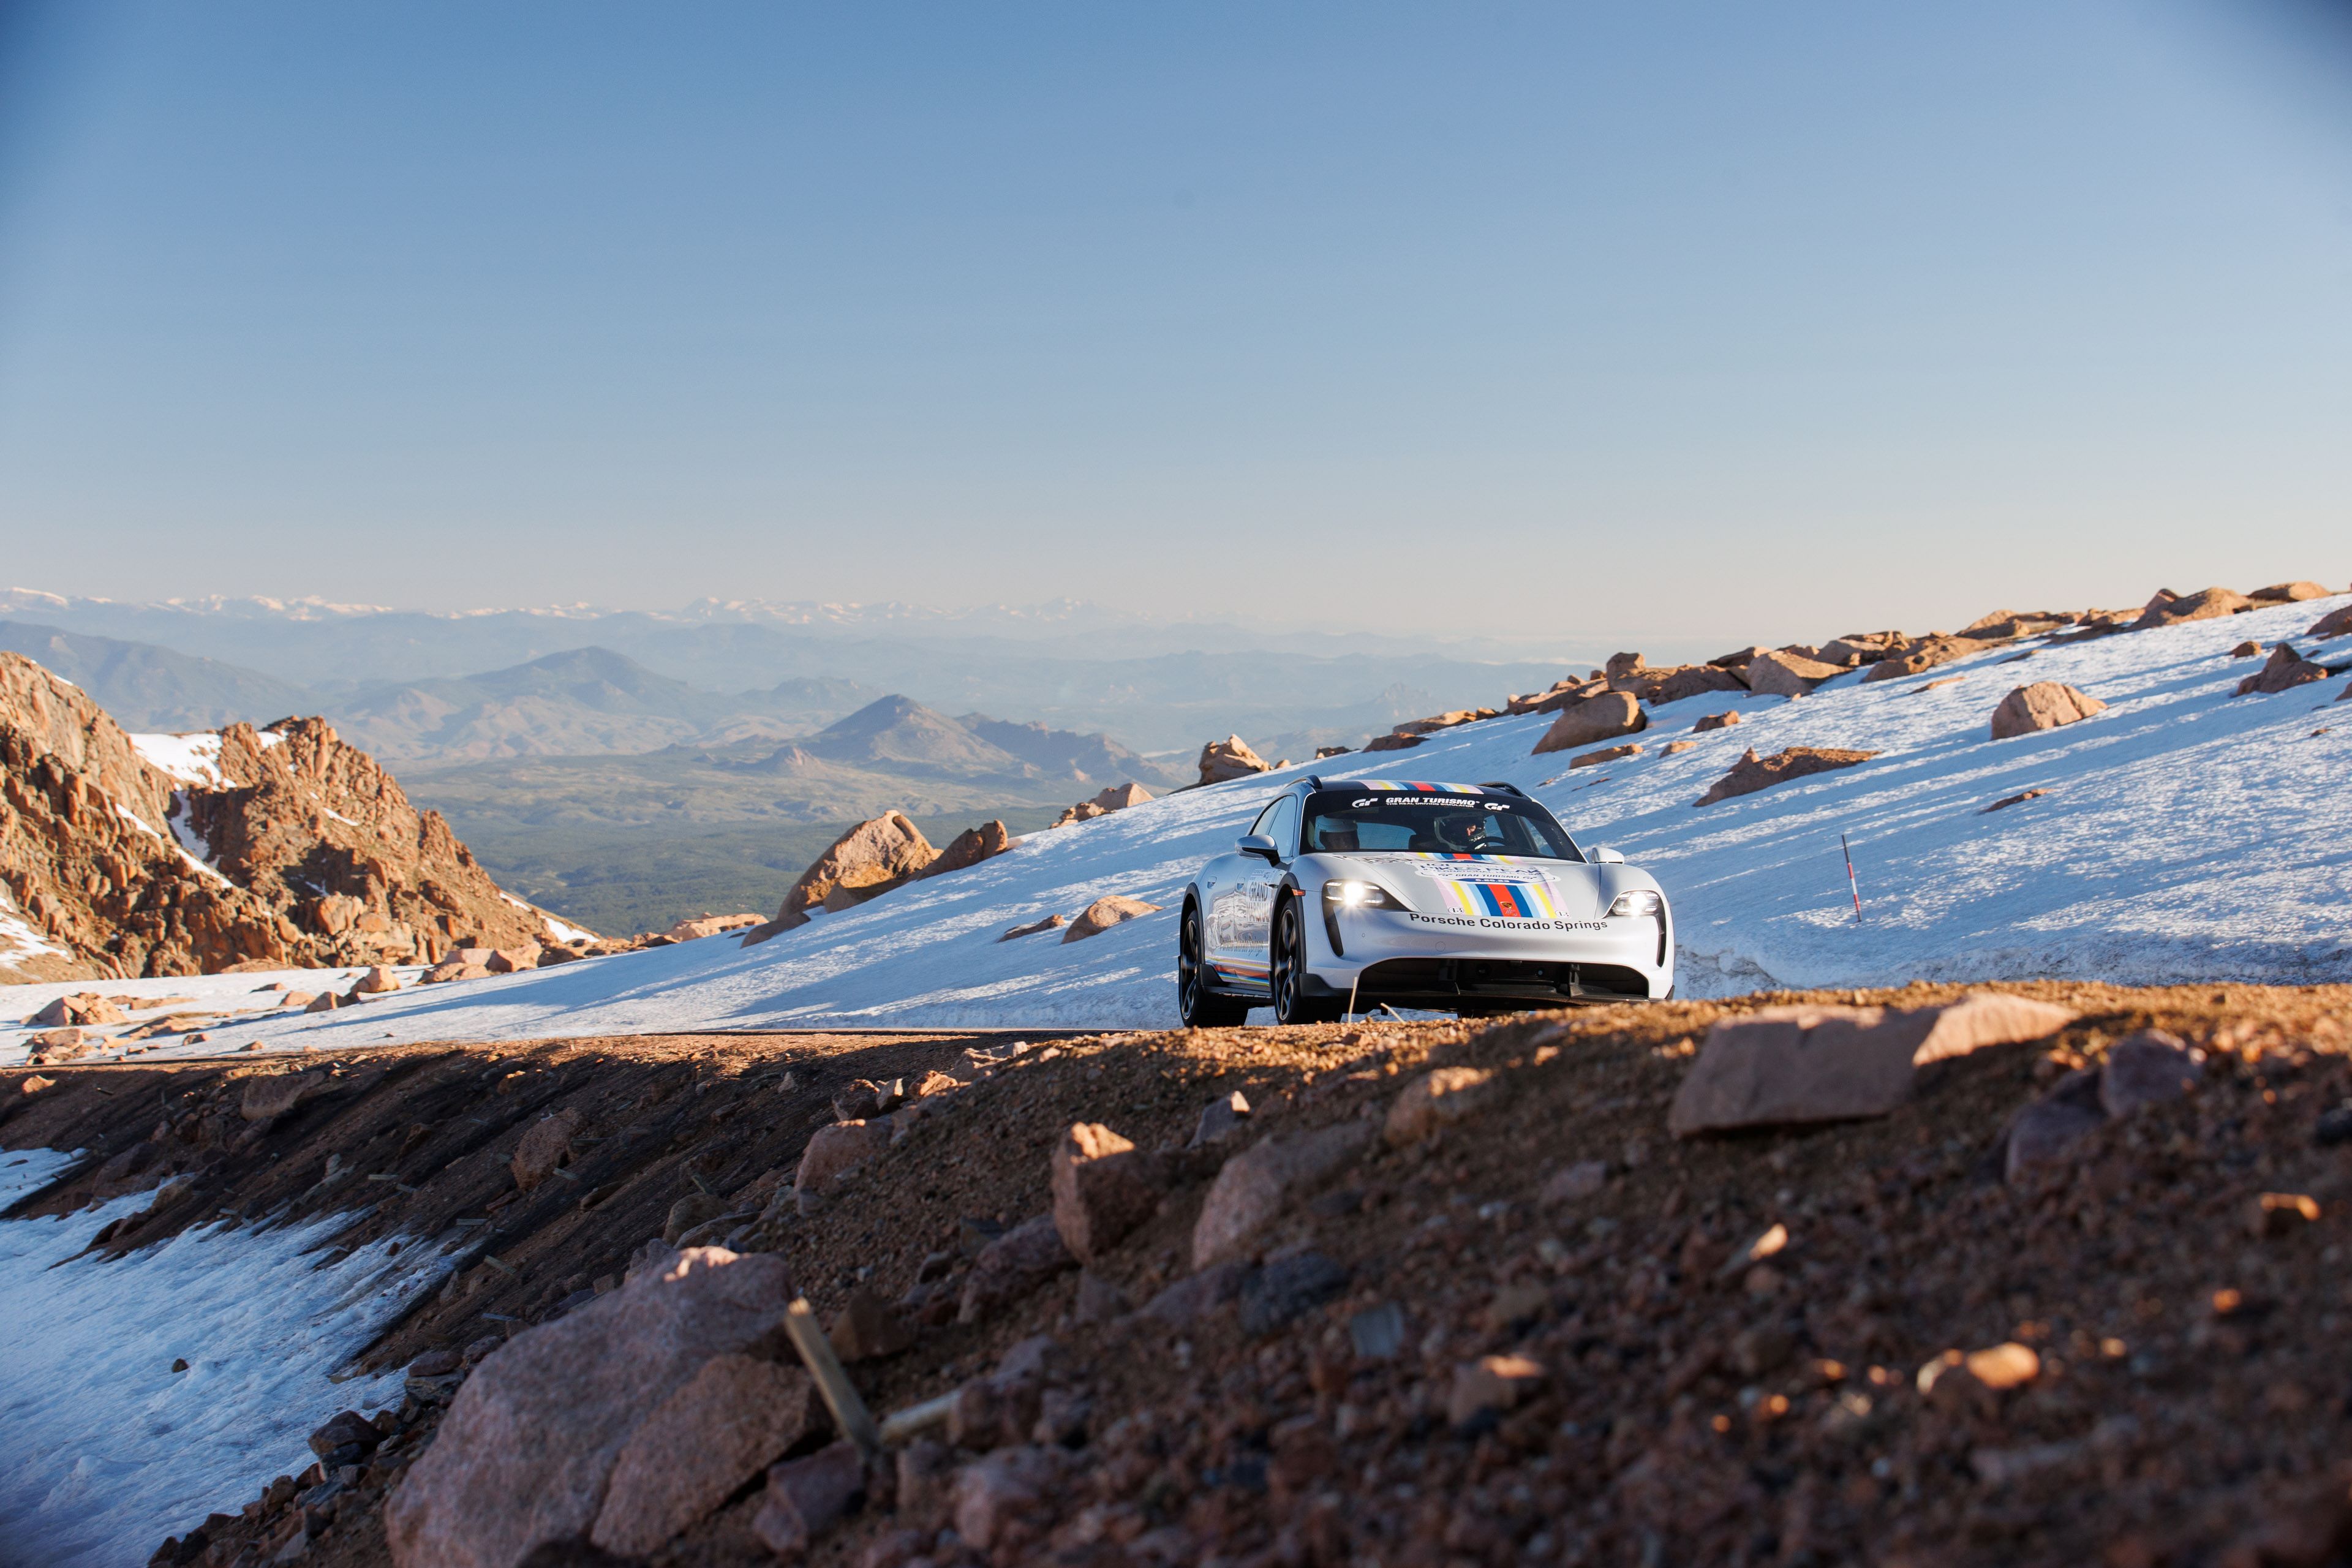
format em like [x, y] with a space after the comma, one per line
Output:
[1468, 898]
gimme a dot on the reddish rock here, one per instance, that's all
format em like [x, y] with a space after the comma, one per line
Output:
[1440, 1098]
[1105, 913]
[2210, 603]
[2042, 1130]
[1229, 758]
[1925, 654]
[1392, 742]
[1257, 1185]
[1002, 1501]
[530, 1443]
[2336, 623]
[272, 1095]
[864, 863]
[2045, 705]
[734, 1417]
[1782, 673]
[868, 1328]
[805, 1497]
[1606, 754]
[1753, 772]
[1623, 664]
[1589, 720]
[2149, 1067]
[1723, 720]
[1676, 748]
[1220, 1119]
[376, 981]
[544, 1146]
[1791, 1065]
[2247, 651]
[1582, 1180]
[84, 1008]
[2287, 592]
[690, 1212]
[968, 848]
[1012, 1267]
[1196, 1295]
[1051, 923]
[2285, 670]
[512, 960]
[844, 1146]
[1104, 1186]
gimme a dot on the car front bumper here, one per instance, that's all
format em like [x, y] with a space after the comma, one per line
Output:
[1458, 963]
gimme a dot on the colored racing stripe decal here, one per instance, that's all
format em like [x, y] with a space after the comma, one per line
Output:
[1416, 786]
[1509, 900]
[1254, 975]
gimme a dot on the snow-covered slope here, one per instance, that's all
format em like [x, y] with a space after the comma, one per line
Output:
[2187, 834]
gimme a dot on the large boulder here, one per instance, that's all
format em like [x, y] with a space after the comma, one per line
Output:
[528, 1451]
[1104, 1186]
[1791, 1065]
[1782, 673]
[544, 1147]
[831, 1151]
[2285, 670]
[2288, 592]
[968, 848]
[865, 862]
[2336, 623]
[2167, 609]
[732, 1420]
[1753, 772]
[1554, 698]
[2045, 705]
[1229, 758]
[1925, 654]
[1602, 717]
[1105, 913]
[1675, 682]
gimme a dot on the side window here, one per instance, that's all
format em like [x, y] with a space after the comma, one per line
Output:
[1264, 823]
[1282, 826]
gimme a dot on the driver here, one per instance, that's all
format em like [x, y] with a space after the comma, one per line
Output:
[1465, 833]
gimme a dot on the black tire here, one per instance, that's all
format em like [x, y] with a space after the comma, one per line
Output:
[1199, 1007]
[1288, 970]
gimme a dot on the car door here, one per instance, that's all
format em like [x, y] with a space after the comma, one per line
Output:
[1241, 919]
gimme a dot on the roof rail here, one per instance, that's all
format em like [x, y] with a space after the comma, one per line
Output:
[1314, 781]
[1506, 787]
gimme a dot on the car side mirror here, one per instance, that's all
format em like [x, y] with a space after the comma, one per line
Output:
[1259, 845]
[1604, 856]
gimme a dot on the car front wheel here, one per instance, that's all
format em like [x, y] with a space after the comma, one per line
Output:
[1199, 1007]
[1291, 1002]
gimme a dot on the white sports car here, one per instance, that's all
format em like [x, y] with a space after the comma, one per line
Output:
[1466, 899]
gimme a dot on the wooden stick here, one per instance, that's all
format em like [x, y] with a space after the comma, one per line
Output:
[849, 1412]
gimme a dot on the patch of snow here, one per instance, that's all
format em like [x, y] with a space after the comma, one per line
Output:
[24, 1172]
[270, 738]
[109, 1450]
[563, 932]
[339, 817]
[193, 861]
[192, 759]
[2188, 835]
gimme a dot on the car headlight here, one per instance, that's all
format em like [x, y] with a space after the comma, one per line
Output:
[1352, 895]
[1635, 905]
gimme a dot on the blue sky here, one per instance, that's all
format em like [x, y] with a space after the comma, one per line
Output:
[1707, 320]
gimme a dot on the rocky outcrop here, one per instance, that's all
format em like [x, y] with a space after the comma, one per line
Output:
[1229, 758]
[1604, 717]
[1674, 684]
[2167, 608]
[1925, 654]
[2285, 670]
[2288, 592]
[1753, 772]
[1118, 797]
[878, 854]
[1785, 673]
[1105, 913]
[279, 847]
[1790, 1065]
[2336, 623]
[969, 848]
[571, 1429]
[2045, 705]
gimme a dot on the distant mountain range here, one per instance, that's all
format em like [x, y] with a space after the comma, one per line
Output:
[440, 688]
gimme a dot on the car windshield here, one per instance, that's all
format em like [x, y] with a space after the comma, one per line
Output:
[1369, 820]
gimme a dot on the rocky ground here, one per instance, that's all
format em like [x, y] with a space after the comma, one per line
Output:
[1446, 1293]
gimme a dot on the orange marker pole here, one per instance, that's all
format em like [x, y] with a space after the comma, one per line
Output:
[1851, 885]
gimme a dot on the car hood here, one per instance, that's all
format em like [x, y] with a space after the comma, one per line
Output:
[1531, 888]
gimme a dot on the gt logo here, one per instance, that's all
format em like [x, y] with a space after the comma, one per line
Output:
[1360, 803]
[1496, 805]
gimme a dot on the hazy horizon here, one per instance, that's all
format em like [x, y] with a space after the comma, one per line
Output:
[1554, 327]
